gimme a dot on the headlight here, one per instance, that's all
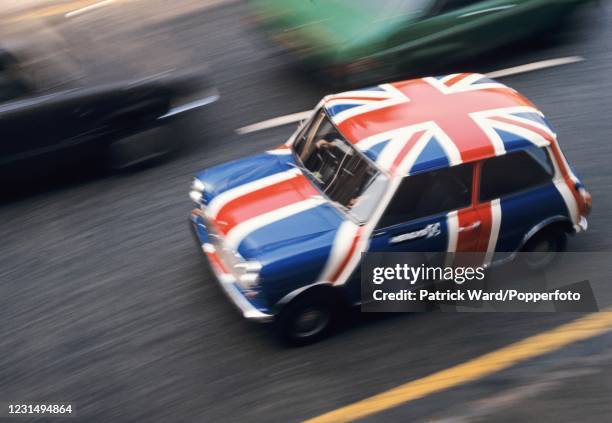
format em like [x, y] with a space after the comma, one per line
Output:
[249, 277]
[197, 191]
[197, 185]
[249, 266]
[248, 280]
[196, 197]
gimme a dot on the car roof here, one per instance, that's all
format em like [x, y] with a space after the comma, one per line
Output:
[416, 125]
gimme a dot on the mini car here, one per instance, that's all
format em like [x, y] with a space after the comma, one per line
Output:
[350, 40]
[461, 163]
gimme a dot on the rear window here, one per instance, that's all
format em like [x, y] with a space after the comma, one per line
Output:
[515, 172]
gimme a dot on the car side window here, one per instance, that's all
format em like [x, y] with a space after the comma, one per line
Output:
[430, 193]
[514, 172]
[446, 6]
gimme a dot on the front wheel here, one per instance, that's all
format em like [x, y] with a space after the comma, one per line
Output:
[542, 249]
[305, 320]
[144, 147]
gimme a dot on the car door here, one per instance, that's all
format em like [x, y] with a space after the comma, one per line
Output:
[451, 29]
[430, 212]
[73, 124]
[16, 128]
[493, 23]
[516, 194]
[39, 126]
[33, 123]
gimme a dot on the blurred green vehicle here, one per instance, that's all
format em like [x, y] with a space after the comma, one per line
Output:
[378, 38]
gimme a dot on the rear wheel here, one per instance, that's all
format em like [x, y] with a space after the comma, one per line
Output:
[542, 249]
[306, 320]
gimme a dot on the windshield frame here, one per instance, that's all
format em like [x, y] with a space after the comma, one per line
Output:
[317, 118]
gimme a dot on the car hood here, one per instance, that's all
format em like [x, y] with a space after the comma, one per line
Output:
[221, 178]
[268, 211]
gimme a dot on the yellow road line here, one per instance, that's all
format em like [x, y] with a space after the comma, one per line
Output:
[586, 327]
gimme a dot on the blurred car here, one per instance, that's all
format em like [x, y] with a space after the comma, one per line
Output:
[364, 39]
[52, 114]
[390, 168]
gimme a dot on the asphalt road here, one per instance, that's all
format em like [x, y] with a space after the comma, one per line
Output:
[106, 302]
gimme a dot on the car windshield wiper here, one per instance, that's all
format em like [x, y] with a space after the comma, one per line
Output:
[335, 203]
[303, 169]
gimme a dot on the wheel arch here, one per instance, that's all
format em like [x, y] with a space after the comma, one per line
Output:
[562, 222]
[317, 288]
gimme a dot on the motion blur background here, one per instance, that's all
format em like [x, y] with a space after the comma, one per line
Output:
[105, 302]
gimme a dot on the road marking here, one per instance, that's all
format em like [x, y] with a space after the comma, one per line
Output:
[530, 67]
[271, 123]
[89, 8]
[48, 11]
[586, 327]
[22, 12]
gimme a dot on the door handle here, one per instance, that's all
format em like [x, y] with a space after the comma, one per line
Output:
[470, 227]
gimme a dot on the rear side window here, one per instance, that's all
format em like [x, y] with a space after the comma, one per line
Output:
[430, 193]
[514, 172]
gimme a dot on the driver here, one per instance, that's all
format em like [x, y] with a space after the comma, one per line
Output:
[324, 144]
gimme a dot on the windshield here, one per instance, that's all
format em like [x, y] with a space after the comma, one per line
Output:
[341, 172]
[391, 8]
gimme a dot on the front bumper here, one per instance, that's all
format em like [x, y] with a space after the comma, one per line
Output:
[224, 277]
[195, 102]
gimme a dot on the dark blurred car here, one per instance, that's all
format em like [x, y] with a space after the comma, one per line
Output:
[348, 38]
[52, 114]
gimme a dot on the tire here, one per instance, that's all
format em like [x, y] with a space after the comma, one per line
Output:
[306, 320]
[144, 147]
[544, 246]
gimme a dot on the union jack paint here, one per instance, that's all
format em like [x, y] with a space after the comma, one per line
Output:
[266, 209]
